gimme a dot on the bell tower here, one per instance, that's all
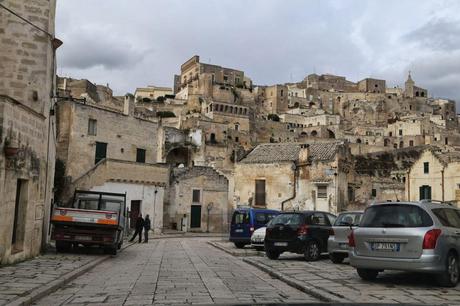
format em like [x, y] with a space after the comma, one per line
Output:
[409, 87]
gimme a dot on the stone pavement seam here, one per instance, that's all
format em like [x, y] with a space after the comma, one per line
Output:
[236, 254]
[319, 294]
[54, 285]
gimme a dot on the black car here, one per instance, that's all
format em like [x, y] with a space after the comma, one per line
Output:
[304, 232]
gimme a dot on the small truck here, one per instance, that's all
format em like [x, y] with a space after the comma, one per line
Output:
[91, 219]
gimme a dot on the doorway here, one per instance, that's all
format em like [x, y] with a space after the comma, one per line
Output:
[195, 219]
[19, 221]
[135, 210]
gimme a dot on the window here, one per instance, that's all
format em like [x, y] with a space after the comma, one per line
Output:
[390, 134]
[140, 156]
[196, 196]
[448, 217]
[260, 192]
[101, 151]
[426, 167]
[92, 127]
[237, 139]
[395, 215]
[351, 194]
[317, 219]
[400, 132]
[411, 143]
[347, 219]
[288, 219]
[237, 127]
[213, 138]
[322, 191]
[282, 92]
[374, 192]
[264, 218]
[425, 192]
[240, 217]
[225, 78]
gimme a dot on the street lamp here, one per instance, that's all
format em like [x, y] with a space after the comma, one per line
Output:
[208, 208]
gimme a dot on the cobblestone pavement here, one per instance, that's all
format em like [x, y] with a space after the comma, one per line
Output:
[342, 281]
[22, 278]
[174, 272]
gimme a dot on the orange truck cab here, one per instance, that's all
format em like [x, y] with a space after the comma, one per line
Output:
[92, 218]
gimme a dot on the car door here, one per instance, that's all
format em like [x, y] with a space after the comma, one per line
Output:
[320, 228]
[450, 219]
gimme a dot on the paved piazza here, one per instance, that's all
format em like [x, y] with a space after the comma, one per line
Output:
[174, 272]
[342, 282]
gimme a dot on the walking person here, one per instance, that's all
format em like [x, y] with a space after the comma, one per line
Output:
[147, 226]
[139, 227]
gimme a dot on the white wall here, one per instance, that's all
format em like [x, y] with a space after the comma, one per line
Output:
[151, 203]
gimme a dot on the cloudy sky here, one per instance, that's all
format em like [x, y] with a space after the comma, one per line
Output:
[134, 43]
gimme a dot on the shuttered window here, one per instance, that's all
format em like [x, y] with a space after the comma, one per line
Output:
[260, 193]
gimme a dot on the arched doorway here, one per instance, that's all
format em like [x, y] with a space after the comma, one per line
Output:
[178, 156]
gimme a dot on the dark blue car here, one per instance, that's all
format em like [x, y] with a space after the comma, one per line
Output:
[245, 221]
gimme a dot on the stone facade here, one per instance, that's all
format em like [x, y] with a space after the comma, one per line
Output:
[26, 127]
[305, 176]
[198, 200]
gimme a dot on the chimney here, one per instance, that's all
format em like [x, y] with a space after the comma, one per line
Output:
[128, 106]
[304, 153]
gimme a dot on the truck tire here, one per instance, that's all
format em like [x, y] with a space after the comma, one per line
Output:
[63, 246]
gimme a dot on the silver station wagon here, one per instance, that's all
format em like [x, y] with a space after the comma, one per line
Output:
[337, 244]
[408, 236]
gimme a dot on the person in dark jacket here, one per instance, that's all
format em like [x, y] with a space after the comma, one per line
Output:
[147, 226]
[139, 227]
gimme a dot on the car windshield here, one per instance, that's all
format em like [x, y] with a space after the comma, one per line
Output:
[395, 215]
[287, 219]
[347, 219]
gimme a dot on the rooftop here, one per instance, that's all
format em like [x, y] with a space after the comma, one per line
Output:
[280, 152]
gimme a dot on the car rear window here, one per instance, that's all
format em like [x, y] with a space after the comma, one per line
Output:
[347, 219]
[448, 216]
[395, 215]
[240, 217]
[288, 219]
[264, 217]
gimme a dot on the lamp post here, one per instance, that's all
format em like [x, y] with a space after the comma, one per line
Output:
[208, 208]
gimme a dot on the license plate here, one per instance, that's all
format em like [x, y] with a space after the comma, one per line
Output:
[238, 231]
[80, 219]
[257, 240]
[385, 246]
[280, 244]
[83, 238]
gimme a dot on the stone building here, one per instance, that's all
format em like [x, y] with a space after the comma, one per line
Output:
[103, 149]
[372, 85]
[305, 176]
[275, 100]
[27, 85]
[412, 91]
[152, 92]
[198, 200]
[435, 175]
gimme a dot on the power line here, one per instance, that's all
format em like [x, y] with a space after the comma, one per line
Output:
[25, 20]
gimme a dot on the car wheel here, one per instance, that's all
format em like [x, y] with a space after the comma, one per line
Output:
[240, 245]
[336, 258]
[367, 274]
[272, 254]
[312, 251]
[450, 277]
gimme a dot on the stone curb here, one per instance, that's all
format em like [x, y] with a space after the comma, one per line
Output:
[54, 285]
[322, 295]
[236, 254]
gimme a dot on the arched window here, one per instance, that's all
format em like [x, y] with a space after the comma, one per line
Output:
[314, 133]
[411, 143]
[401, 144]
[417, 94]
[386, 142]
[358, 140]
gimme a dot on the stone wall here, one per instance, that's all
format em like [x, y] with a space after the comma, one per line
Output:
[26, 137]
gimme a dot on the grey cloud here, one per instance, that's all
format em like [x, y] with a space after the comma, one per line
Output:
[437, 35]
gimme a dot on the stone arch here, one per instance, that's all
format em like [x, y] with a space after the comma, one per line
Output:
[178, 156]
[314, 133]
[304, 134]
[331, 134]
[358, 140]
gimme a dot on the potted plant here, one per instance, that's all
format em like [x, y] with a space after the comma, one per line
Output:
[11, 147]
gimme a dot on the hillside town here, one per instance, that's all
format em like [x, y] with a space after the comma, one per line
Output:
[191, 154]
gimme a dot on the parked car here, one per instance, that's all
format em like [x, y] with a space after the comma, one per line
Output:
[303, 232]
[258, 238]
[408, 236]
[337, 244]
[245, 221]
